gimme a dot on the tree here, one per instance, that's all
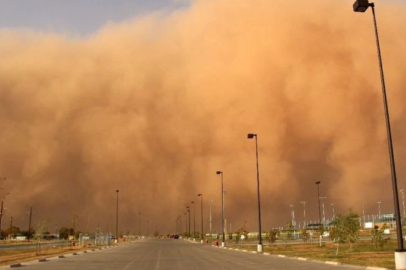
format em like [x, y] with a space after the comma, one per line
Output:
[28, 234]
[345, 229]
[64, 232]
[304, 235]
[273, 235]
[240, 232]
[377, 236]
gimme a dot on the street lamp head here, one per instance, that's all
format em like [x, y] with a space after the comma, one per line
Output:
[318, 182]
[192, 202]
[199, 194]
[362, 5]
[251, 135]
[117, 190]
[219, 172]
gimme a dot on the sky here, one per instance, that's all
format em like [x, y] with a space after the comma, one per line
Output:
[151, 98]
[77, 18]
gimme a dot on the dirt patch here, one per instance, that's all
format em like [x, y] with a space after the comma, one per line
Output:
[25, 255]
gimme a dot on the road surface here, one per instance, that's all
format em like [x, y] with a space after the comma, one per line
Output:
[171, 254]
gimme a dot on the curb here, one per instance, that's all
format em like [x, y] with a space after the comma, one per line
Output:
[63, 256]
[310, 260]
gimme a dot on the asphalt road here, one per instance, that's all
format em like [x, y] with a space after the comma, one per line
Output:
[154, 254]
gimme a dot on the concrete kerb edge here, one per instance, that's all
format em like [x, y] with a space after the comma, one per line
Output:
[310, 260]
[62, 256]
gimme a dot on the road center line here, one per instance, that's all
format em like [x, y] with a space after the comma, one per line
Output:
[158, 260]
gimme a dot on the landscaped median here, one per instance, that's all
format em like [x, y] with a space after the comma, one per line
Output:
[362, 254]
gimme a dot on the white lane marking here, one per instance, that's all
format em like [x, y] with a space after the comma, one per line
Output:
[333, 263]
[158, 260]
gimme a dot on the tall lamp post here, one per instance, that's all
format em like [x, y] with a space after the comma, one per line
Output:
[403, 201]
[194, 219]
[318, 199]
[117, 217]
[223, 243]
[201, 216]
[252, 136]
[29, 226]
[400, 254]
[139, 224]
[185, 224]
[180, 225]
[188, 211]
[210, 202]
[324, 213]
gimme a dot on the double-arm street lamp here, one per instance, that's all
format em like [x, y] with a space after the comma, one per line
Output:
[201, 215]
[259, 247]
[223, 243]
[400, 254]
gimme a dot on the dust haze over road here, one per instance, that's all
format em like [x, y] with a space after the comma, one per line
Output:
[154, 106]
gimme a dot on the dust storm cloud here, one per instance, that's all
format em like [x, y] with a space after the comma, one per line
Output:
[154, 106]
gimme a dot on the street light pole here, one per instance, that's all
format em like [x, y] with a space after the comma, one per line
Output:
[185, 224]
[194, 219]
[117, 217]
[251, 136]
[139, 224]
[324, 213]
[403, 202]
[400, 254]
[201, 216]
[318, 199]
[29, 225]
[210, 202]
[180, 224]
[223, 243]
[379, 210]
[188, 211]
